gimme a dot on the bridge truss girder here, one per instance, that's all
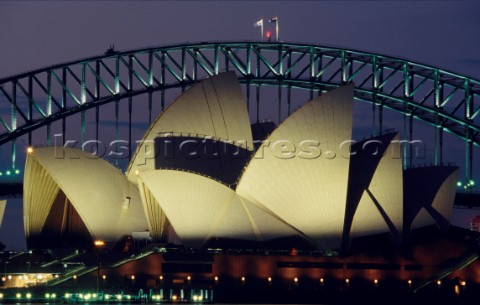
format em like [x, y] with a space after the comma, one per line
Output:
[447, 101]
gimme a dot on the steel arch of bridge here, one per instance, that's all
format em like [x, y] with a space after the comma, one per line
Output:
[447, 101]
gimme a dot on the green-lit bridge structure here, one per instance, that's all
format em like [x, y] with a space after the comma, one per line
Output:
[37, 105]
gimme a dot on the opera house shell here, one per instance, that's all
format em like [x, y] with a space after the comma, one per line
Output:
[199, 175]
[3, 204]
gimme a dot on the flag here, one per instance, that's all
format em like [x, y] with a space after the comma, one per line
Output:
[258, 23]
[273, 20]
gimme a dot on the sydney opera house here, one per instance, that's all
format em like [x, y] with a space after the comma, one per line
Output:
[301, 202]
[199, 175]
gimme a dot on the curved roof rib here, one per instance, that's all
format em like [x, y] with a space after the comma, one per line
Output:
[107, 203]
[214, 107]
[199, 208]
[287, 176]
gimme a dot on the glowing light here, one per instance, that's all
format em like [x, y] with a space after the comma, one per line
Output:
[74, 277]
[269, 279]
[439, 282]
[17, 171]
[409, 282]
[132, 277]
[189, 278]
[9, 277]
[30, 150]
[67, 295]
[119, 296]
[8, 173]
[137, 173]
[40, 277]
[295, 279]
[195, 298]
[174, 297]
[3, 279]
[128, 297]
[99, 243]
[57, 276]
[375, 281]
[53, 296]
[216, 279]
[47, 295]
[94, 295]
[243, 279]
[161, 277]
[463, 283]
[347, 281]
[18, 295]
[321, 280]
[29, 295]
[1, 295]
[107, 297]
[104, 277]
[200, 298]
[87, 296]
[459, 183]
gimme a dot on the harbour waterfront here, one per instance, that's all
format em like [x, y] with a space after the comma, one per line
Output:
[329, 291]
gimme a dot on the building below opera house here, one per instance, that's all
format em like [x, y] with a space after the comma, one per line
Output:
[216, 208]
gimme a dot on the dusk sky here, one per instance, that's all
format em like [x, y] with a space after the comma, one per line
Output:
[35, 35]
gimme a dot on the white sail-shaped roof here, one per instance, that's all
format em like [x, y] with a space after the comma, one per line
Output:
[200, 208]
[3, 204]
[305, 191]
[370, 162]
[107, 203]
[215, 107]
[434, 203]
[381, 206]
[367, 220]
[445, 197]
[422, 219]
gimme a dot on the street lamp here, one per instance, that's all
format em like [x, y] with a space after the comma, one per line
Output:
[98, 244]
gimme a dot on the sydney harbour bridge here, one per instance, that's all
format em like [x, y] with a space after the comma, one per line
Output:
[103, 99]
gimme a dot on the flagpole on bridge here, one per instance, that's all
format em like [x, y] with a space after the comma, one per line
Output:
[275, 20]
[259, 23]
